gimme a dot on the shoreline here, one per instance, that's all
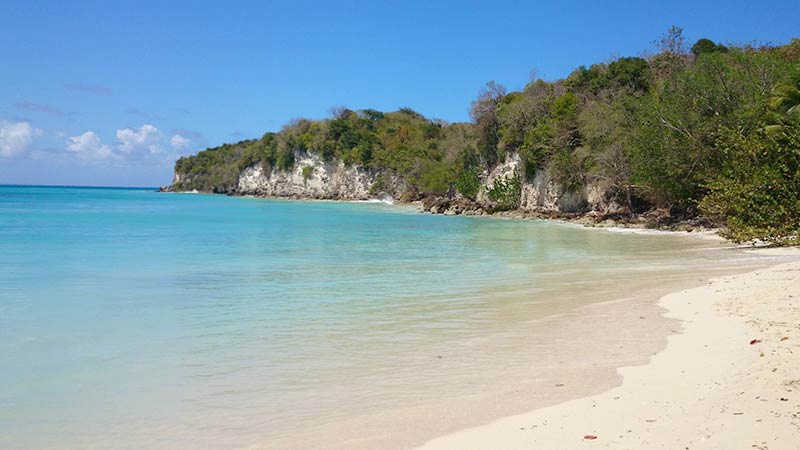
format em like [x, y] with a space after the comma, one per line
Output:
[708, 388]
[639, 224]
[580, 387]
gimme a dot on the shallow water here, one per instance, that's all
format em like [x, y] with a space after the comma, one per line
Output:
[131, 319]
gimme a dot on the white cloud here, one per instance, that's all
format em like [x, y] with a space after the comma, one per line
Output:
[15, 137]
[147, 137]
[179, 142]
[143, 146]
[89, 147]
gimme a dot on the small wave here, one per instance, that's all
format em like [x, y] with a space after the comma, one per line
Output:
[385, 200]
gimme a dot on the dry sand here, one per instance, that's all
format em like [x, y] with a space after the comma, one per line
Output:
[709, 389]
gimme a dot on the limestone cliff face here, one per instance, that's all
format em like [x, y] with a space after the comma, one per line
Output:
[543, 194]
[506, 169]
[313, 178]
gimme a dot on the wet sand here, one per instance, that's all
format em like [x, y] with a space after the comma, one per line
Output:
[729, 380]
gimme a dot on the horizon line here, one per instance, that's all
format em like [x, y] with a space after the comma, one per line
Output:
[76, 186]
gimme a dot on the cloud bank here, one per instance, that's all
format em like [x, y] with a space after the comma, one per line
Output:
[145, 145]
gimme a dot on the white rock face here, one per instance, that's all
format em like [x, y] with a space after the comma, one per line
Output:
[311, 177]
[506, 169]
[543, 194]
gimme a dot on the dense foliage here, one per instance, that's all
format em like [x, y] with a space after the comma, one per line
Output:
[430, 155]
[215, 169]
[709, 130]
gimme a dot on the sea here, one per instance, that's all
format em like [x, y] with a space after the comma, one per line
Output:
[132, 319]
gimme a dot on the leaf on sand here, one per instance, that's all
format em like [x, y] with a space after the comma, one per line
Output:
[590, 437]
[755, 341]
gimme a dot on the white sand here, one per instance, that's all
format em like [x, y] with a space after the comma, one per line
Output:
[709, 389]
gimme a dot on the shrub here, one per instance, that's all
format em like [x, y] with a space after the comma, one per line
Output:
[707, 46]
[757, 194]
[632, 73]
[436, 178]
[468, 183]
[307, 172]
[505, 192]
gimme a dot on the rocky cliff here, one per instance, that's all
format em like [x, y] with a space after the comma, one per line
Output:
[310, 178]
[544, 195]
[313, 178]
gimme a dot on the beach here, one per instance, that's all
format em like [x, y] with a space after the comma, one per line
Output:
[729, 379]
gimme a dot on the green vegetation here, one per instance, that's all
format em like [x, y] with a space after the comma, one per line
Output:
[708, 131]
[468, 183]
[505, 193]
[307, 172]
[214, 169]
[758, 190]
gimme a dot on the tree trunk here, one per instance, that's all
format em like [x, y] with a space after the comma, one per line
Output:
[628, 200]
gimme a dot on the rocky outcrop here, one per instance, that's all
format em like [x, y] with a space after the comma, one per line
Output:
[506, 169]
[313, 178]
[542, 194]
[453, 206]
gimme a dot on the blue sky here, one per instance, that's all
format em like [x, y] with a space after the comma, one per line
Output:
[111, 92]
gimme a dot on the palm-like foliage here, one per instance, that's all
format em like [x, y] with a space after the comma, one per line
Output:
[785, 103]
[786, 96]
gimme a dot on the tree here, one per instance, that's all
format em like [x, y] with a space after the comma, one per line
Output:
[784, 105]
[672, 56]
[484, 116]
[673, 41]
[786, 96]
[704, 46]
[757, 194]
[436, 177]
[632, 73]
[591, 80]
[605, 127]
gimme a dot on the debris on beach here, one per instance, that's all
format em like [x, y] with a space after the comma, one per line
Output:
[755, 341]
[590, 437]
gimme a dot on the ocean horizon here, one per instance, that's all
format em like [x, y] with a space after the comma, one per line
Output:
[69, 186]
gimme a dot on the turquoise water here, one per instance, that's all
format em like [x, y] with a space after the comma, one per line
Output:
[133, 319]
